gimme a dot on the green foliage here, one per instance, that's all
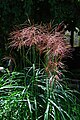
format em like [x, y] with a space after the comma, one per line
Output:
[17, 11]
[14, 12]
[30, 96]
[61, 10]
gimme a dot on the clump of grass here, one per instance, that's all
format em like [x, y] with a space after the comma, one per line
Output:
[30, 96]
[38, 92]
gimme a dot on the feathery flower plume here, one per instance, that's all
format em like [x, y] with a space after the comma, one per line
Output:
[50, 43]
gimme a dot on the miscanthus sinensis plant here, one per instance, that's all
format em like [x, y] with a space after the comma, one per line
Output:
[38, 92]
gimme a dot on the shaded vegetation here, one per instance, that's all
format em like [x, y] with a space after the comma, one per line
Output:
[29, 96]
[33, 85]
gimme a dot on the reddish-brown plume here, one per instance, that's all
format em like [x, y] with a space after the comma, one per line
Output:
[50, 43]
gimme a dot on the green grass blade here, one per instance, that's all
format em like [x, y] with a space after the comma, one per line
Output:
[29, 105]
[46, 115]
